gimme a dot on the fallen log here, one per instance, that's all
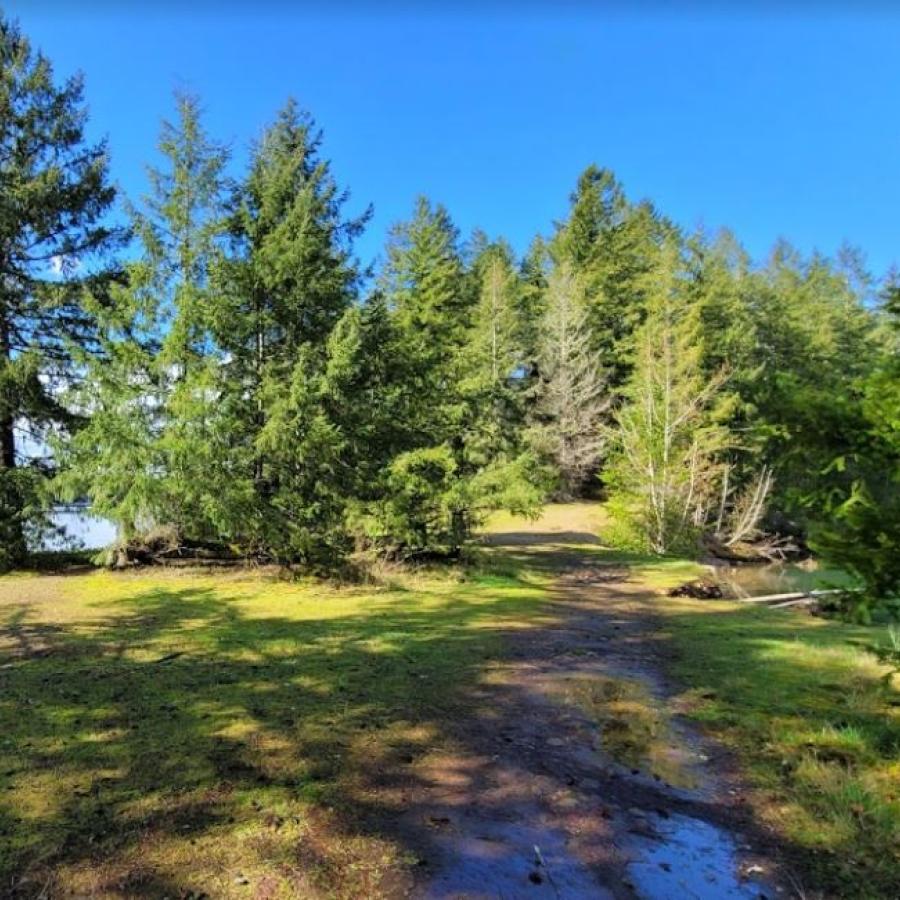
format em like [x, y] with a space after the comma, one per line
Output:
[185, 562]
[793, 596]
[787, 604]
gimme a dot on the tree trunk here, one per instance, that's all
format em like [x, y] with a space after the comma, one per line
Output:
[12, 536]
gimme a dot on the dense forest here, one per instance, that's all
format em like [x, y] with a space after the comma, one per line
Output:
[213, 366]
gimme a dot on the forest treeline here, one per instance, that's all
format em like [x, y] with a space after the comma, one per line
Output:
[215, 361]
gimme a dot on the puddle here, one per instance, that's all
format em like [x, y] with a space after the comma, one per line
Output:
[498, 860]
[634, 730]
[690, 860]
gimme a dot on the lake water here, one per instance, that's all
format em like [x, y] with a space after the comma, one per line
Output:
[82, 531]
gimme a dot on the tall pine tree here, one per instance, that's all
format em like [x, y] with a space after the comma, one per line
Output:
[289, 279]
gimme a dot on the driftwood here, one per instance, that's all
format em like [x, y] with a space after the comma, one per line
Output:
[707, 590]
[698, 590]
[189, 561]
[165, 547]
[764, 550]
[790, 599]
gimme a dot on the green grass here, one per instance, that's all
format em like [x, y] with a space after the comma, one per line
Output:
[169, 734]
[128, 770]
[813, 726]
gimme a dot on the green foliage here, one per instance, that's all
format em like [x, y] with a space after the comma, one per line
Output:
[144, 456]
[424, 505]
[613, 246]
[668, 436]
[286, 283]
[236, 385]
[888, 655]
[55, 240]
[862, 531]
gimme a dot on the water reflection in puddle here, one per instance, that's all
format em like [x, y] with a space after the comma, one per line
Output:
[494, 858]
[688, 859]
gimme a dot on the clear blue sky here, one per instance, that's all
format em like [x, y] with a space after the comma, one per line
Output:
[772, 125]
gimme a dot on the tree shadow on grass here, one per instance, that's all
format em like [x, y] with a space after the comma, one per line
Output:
[193, 744]
[186, 715]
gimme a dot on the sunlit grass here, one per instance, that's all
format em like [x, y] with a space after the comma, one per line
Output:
[816, 731]
[169, 733]
[162, 733]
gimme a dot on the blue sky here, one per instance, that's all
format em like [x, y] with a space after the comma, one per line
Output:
[774, 125]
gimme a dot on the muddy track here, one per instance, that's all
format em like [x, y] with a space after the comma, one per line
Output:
[531, 803]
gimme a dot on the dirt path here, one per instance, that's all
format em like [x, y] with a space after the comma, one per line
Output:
[532, 803]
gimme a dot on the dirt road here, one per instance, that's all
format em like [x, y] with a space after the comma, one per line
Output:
[573, 775]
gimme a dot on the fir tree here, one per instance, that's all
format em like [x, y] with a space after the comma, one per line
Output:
[146, 457]
[492, 362]
[425, 284]
[55, 237]
[612, 246]
[290, 278]
[815, 344]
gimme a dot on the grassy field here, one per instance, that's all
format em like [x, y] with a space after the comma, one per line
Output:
[171, 733]
[178, 735]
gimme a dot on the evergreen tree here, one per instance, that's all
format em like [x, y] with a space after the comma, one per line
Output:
[290, 278]
[858, 528]
[455, 333]
[55, 240]
[426, 287]
[492, 360]
[533, 275]
[572, 394]
[815, 344]
[422, 504]
[146, 458]
[612, 246]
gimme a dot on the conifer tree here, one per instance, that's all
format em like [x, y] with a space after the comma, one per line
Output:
[55, 239]
[815, 343]
[422, 503]
[572, 394]
[533, 276]
[858, 523]
[611, 245]
[289, 279]
[146, 456]
[492, 358]
[431, 301]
